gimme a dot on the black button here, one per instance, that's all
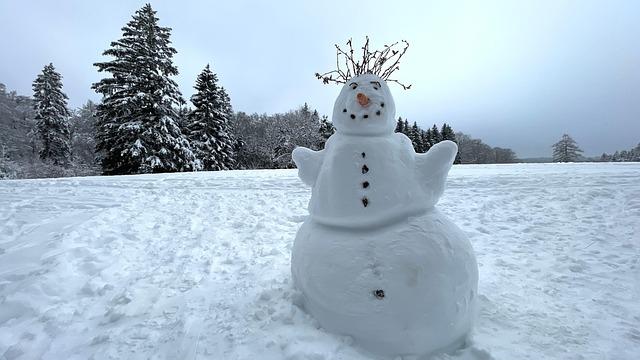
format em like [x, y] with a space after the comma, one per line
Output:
[363, 154]
[365, 201]
[365, 184]
[365, 169]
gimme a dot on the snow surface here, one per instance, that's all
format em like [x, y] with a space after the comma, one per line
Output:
[196, 265]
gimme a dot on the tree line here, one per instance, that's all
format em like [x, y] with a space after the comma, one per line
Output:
[632, 154]
[143, 124]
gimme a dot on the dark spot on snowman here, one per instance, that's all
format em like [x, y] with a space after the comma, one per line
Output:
[365, 116]
[365, 169]
[381, 104]
[344, 110]
[365, 184]
[353, 116]
[365, 201]
[379, 294]
[378, 112]
[363, 155]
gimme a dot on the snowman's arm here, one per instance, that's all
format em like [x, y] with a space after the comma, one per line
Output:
[308, 163]
[433, 166]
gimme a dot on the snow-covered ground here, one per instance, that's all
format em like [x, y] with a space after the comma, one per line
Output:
[196, 265]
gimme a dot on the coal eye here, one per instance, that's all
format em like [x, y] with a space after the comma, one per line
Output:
[353, 86]
[376, 85]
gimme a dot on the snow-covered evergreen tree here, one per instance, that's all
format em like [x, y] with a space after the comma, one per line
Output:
[138, 125]
[436, 137]
[447, 133]
[400, 126]
[208, 125]
[326, 130]
[83, 133]
[424, 138]
[566, 150]
[416, 140]
[52, 116]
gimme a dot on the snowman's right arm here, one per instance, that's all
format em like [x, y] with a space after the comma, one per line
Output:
[308, 163]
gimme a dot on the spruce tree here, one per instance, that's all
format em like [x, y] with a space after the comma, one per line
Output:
[52, 117]
[436, 137]
[326, 130]
[566, 150]
[208, 125]
[137, 122]
[415, 138]
[447, 133]
[399, 126]
[424, 137]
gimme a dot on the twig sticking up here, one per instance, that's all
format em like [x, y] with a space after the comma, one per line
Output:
[376, 62]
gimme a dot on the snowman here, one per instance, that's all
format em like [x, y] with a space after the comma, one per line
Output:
[374, 259]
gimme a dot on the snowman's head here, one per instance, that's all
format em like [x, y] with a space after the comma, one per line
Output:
[365, 107]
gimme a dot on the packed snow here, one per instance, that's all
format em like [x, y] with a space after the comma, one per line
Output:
[197, 265]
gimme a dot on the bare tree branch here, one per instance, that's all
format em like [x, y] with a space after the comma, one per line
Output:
[376, 62]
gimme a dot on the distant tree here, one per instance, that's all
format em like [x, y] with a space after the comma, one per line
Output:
[137, 122]
[624, 155]
[18, 133]
[424, 138]
[52, 116]
[267, 140]
[474, 151]
[416, 139]
[83, 132]
[504, 156]
[399, 126]
[566, 150]
[326, 130]
[434, 135]
[208, 124]
[447, 133]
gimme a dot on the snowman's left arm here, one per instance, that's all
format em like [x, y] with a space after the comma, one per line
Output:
[308, 163]
[433, 166]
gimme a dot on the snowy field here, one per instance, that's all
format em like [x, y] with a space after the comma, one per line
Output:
[196, 265]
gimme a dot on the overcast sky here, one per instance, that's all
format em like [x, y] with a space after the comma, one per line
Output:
[516, 74]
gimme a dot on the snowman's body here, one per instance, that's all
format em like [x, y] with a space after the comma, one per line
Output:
[373, 170]
[375, 260]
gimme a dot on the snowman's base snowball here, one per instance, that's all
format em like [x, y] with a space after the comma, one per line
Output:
[405, 289]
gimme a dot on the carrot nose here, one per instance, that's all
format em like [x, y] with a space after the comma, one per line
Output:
[363, 100]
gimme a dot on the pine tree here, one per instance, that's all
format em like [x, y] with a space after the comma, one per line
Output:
[52, 115]
[405, 128]
[415, 138]
[447, 133]
[400, 126]
[138, 125]
[566, 150]
[424, 137]
[208, 125]
[326, 130]
[436, 137]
